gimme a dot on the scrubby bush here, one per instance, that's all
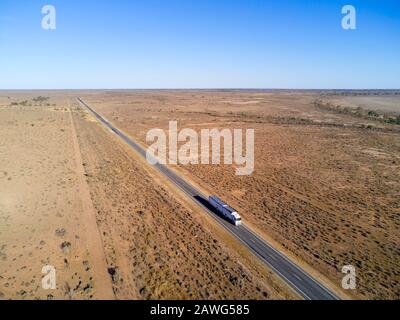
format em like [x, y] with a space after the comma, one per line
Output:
[393, 120]
[40, 99]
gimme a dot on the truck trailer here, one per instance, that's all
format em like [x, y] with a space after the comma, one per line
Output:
[226, 211]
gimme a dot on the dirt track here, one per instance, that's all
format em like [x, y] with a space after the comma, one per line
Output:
[155, 246]
[43, 209]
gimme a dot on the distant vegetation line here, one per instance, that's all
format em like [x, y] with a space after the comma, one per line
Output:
[357, 112]
[38, 101]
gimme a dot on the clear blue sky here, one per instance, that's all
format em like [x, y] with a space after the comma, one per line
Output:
[199, 44]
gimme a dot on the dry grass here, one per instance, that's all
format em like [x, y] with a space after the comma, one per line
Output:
[324, 187]
[157, 248]
[41, 207]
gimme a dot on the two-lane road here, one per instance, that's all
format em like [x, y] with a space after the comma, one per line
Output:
[292, 274]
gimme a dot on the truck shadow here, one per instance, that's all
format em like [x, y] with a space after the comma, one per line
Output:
[208, 205]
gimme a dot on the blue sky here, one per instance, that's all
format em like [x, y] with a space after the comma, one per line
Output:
[199, 44]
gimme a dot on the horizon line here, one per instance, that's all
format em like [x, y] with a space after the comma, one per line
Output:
[199, 89]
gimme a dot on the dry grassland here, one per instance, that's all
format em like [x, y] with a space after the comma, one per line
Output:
[326, 184]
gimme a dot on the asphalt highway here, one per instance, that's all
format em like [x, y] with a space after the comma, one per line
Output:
[293, 275]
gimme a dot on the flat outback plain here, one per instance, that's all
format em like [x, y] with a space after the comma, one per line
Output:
[325, 191]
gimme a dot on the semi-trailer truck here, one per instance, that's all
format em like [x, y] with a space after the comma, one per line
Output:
[226, 211]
